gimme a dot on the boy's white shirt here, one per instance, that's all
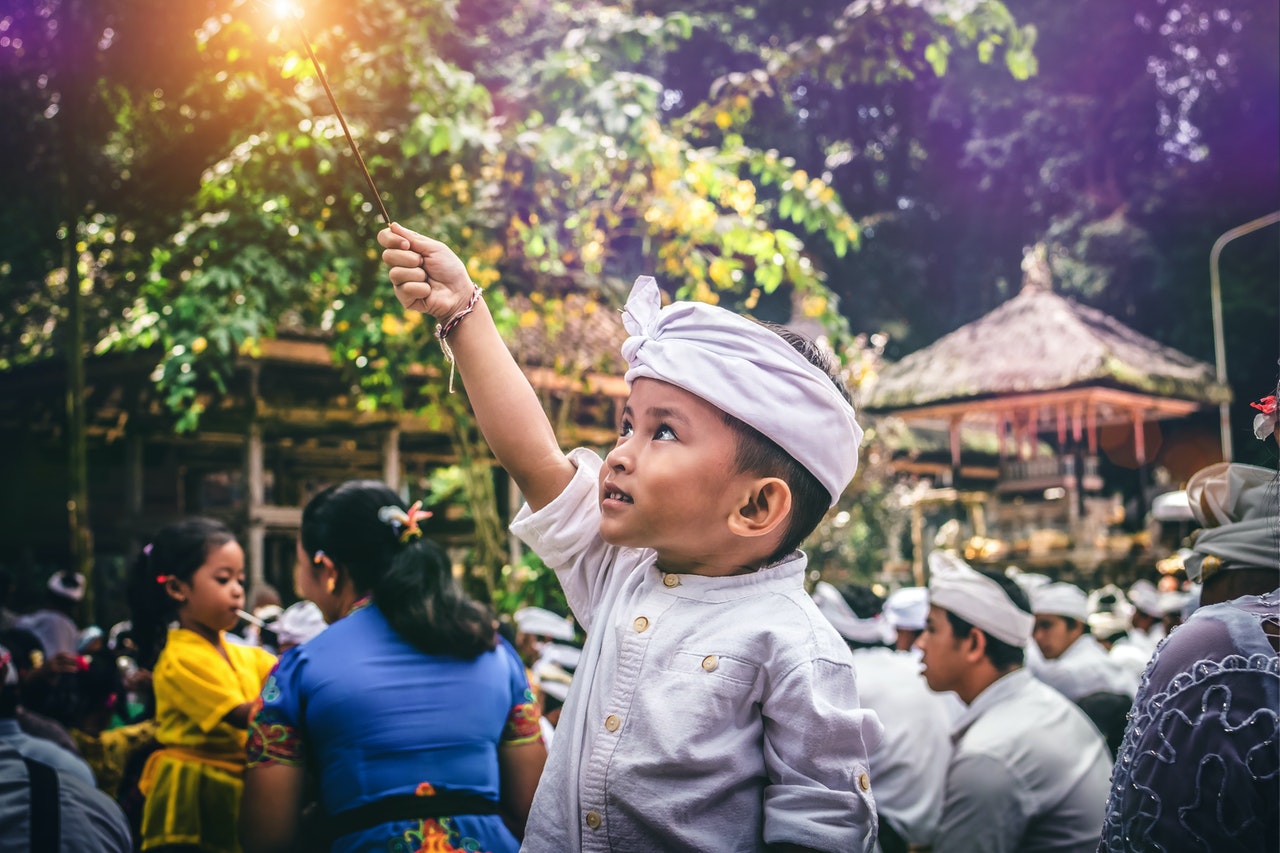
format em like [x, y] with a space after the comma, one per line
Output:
[707, 713]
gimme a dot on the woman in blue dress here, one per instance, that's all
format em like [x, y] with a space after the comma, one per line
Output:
[413, 718]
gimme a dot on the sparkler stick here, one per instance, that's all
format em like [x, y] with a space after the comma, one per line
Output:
[285, 9]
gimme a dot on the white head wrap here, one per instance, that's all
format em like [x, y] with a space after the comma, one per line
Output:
[1145, 597]
[298, 623]
[552, 679]
[1060, 599]
[565, 657]
[544, 623]
[907, 608]
[68, 585]
[1238, 506]
[747, 371]
[846, 622]
[955, 586]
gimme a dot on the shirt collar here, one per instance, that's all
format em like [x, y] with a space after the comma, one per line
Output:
[998, 691]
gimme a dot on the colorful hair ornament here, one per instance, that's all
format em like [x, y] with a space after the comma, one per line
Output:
[146, 549]
[318, 558]
[1264, 424]
[163, 578]
[404, 523]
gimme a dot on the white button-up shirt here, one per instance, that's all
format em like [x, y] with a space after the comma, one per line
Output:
[910, 765]
[707, 713]
[1084, 668]
[1029, 773]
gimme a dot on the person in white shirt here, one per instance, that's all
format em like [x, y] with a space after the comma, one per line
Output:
[714, 707]
[910, 765]
[906, 609]
[1029, 772]
[1072, 661]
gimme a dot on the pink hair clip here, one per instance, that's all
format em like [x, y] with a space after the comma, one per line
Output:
[163, 578]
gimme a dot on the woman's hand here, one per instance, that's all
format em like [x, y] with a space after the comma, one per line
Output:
[426, 274]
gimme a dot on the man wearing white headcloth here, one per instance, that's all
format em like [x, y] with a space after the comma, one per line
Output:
[906, 609]
[1072, 660]
[910, 765]
[1029, 771]
[714, 707]
[1199, 767]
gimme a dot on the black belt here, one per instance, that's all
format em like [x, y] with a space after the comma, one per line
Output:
[408, 807]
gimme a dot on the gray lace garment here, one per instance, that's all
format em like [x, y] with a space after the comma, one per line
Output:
[1199, 768]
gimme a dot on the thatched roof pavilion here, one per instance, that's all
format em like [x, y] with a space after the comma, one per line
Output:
[1042, 363]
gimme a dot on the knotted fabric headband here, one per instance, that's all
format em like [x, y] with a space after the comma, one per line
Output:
[1061, 599]
[847, 623]
[1238, 506]
[955, 586]
[747, 371]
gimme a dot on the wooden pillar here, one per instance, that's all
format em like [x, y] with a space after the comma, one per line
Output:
[136, 497]
[256, 535]
[391, 458]
[954, 434]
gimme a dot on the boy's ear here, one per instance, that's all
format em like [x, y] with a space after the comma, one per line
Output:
[766, 508]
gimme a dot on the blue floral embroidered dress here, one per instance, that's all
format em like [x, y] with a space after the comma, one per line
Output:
[375, 717]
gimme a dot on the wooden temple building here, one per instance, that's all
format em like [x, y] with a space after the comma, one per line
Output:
[1048, 415]
[287, 425]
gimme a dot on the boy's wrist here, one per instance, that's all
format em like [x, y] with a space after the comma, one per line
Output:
[445, 325]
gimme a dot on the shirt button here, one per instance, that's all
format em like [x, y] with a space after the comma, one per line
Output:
[612, 722]
[671, 581]
[640, 624]
[593, 820]
[710, 662]
[864, 782]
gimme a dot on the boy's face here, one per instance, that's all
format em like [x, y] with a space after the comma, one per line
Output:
[1053, 636]
[670, 483]
[942, 658]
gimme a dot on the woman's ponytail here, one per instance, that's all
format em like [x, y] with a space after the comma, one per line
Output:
[425, 605]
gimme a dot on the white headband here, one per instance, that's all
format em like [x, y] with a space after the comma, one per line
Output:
[846, 622]
[747, 371]
[980, 601]
[1061, 599]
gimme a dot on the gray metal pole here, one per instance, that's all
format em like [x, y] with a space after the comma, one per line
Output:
[1215, 296]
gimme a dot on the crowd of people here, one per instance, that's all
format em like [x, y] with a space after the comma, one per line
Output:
[697, 697]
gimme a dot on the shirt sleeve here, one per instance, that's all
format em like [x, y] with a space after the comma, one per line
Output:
[275, 723]
[816, 743]
[524, 723]
[566, 535]
[982, 811]
[192, 677]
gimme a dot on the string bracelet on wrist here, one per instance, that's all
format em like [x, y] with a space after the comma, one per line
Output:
[443, 330]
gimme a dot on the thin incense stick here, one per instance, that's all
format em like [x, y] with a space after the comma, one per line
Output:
[250, 618]
[346, 130]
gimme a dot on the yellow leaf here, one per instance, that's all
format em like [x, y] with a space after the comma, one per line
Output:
[529, 319]
[391, 325]
[198, 345]
[723, 120]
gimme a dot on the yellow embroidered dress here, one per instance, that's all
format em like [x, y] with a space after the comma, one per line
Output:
[192, 785]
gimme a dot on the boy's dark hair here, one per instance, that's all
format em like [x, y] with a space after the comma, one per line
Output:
[1002, 655]
[177, 551]
[412, 583]
[760, 456]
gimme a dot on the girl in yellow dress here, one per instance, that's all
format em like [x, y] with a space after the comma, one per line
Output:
[193, 574]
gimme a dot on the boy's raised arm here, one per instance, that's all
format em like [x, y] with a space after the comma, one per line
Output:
[430, 278]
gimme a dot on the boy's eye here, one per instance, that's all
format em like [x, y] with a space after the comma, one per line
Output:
[664, 433]
[624, 429]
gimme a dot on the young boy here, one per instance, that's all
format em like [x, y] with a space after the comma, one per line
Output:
[714, 707]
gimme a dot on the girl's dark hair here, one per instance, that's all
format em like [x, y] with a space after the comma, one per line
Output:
[177, 551]
[412, 583]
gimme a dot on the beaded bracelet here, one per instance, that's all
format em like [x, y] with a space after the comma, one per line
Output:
[443, 330]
